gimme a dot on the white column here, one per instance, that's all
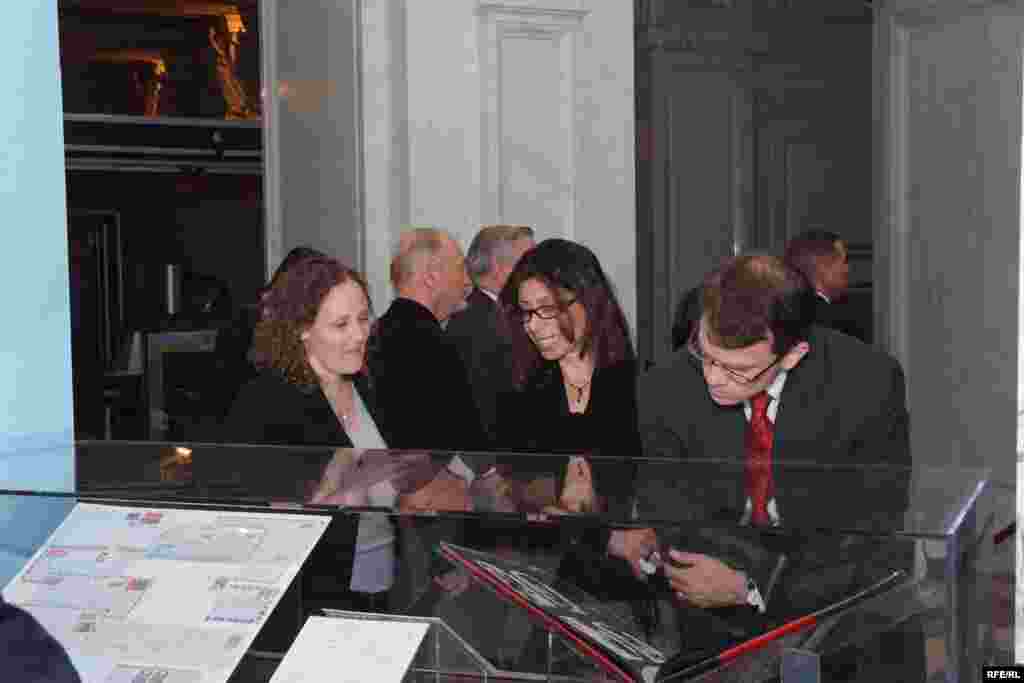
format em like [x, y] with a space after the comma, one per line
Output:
[517, 111]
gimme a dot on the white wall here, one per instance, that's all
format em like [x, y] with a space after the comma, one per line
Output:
[484, 112]
[35, 352]
[310, 53]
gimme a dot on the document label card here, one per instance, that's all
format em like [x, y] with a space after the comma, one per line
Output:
[379, 651]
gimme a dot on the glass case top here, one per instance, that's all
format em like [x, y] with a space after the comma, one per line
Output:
[882, 499]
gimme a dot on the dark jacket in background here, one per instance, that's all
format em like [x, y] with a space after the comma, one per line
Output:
[486, 353]
[28, 654]
[851, 316]
[421, 383]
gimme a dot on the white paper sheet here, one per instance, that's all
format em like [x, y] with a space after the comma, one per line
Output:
[339, 650]
[166, 595]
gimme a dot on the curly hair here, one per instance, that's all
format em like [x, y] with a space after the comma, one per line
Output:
[289, 307]
[567, 267]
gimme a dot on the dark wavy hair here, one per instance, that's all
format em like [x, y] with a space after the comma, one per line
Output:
[289, 307]
[570, 271]
[750, 296]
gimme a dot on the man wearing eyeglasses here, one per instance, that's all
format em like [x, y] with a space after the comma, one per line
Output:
[757, 384]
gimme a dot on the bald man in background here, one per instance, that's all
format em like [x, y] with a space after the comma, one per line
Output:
[422, 385]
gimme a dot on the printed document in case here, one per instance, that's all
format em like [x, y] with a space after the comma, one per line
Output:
[170, 595]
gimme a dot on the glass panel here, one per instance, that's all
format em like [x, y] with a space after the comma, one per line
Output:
[922, 501]
[533, 593]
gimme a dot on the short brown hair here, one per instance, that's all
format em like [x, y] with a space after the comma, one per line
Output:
[807, 249]
[289, 308]
[750, 296]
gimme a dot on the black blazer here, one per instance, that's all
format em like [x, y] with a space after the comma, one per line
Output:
[421, 382]
[28, 653]
[270, 410]
[845, 315]
[486, 353]
[536, 419]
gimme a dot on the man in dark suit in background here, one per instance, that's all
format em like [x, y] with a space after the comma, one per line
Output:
[485, 350]
[755, 385]
[822, 257]
[420, 379]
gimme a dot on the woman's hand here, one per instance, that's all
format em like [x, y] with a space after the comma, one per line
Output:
[446, 492]
[354, 497]
[578, 494]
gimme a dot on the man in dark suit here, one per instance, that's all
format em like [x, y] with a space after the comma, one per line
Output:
[28, 653]
[420, 378]
[485, 349]
[758, 384]
[822, 257]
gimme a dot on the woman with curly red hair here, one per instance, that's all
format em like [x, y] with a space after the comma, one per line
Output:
[310, 348]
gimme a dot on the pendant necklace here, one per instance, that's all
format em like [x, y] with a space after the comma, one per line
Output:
[580, 388]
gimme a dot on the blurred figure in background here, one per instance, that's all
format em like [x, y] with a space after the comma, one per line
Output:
[476, 331]
[822, 258]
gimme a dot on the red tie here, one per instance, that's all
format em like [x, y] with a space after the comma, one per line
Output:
[760, 487]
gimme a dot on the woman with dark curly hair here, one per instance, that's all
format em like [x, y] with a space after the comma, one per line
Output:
[310, 347]
[576, 376]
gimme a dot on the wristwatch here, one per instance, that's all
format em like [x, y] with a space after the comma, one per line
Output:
[754, 598]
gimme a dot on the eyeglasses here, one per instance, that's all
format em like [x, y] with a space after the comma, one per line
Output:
[699, 360]
[543, 312]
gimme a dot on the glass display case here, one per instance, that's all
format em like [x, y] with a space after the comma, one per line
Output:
[863, 569]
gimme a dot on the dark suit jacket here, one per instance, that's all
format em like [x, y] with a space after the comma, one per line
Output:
[421, 383]
[845, 315]
[270, 410]
[28, 654]
[844, 404]
[486, 353]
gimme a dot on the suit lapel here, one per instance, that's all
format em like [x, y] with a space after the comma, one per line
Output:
[803, 431]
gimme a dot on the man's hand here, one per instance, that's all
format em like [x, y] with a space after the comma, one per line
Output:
[446, 492]
[705, 581]
[454, 582]
[633, 545]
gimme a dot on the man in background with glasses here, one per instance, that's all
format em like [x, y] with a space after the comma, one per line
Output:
[757, 385]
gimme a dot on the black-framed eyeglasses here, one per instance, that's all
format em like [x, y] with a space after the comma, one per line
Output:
[543, 312]
[699, 360]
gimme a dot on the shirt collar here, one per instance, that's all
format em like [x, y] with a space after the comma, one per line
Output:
[821, 295]
[774, 390]
[491, 295]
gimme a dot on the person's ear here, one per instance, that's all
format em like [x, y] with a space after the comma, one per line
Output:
[432, 272]
[795, 355]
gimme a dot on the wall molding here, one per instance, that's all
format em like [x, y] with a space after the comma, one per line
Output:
[499, 22]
